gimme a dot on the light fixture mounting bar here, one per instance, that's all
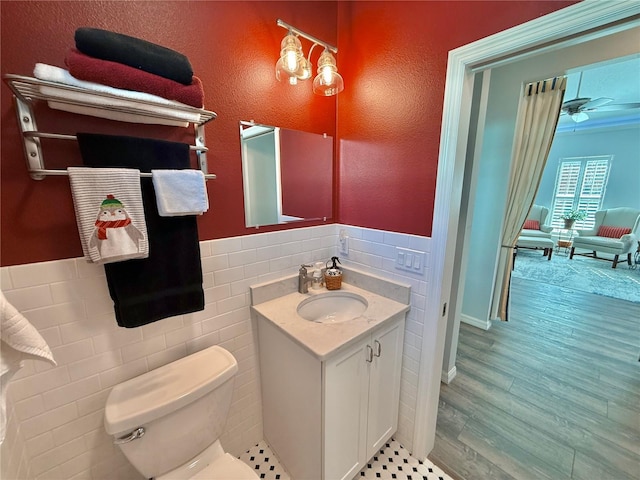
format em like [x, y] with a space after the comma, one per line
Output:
[311, 38]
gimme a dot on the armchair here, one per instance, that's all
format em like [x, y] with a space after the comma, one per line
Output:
[535, 234]
[615, 232]
[534, 226]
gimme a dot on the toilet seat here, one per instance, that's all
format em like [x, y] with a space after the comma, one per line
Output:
[226, 467]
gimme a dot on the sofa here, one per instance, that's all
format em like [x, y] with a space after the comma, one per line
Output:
[615, 232]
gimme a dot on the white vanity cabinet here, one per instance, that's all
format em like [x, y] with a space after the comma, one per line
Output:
[361, 398]
[326, 418]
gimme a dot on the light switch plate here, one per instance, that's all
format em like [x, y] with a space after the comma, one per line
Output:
[409, 260]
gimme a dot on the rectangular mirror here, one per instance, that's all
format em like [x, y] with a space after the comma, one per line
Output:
[287, 175]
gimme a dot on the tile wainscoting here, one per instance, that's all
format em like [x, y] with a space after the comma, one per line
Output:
[54, 428]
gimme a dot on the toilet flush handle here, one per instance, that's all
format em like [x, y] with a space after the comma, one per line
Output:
[137, 433]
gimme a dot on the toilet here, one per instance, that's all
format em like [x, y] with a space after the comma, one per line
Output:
[168, 421]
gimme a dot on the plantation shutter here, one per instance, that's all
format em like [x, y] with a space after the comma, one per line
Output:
[580, 185]
[566, 188]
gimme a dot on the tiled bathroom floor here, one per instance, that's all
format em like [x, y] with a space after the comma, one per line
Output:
[391, 462]
[264, 462]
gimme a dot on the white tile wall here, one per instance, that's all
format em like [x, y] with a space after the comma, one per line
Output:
[13, 455]
[375, 251]
[55, 414]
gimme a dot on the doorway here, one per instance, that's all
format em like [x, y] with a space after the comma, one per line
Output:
[570, 27]
[493, 164]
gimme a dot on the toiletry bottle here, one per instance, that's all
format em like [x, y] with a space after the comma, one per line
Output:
[317, 276]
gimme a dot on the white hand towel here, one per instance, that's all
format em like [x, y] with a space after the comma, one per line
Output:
[180, 192]
[19, 340]
[109, 213]
[114, 97]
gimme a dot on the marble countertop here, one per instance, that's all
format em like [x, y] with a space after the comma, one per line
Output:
[324, 339]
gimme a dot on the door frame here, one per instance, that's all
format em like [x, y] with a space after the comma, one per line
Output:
[569, 26]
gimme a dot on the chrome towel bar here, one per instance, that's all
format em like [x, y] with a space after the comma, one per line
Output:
[26, 90]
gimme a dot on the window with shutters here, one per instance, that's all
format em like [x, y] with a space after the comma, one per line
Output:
[580, 185]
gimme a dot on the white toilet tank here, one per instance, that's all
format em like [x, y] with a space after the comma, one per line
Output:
[182, 407]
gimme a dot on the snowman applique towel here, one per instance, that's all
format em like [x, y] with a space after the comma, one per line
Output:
[110, 213]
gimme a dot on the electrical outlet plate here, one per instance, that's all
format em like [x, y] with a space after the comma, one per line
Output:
[343, 243]
[409, 260]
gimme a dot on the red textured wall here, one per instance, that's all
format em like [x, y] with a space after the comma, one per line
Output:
[232, 46]
[391, 54]
[393, 57]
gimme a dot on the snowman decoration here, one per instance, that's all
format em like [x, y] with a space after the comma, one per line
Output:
[115, 235]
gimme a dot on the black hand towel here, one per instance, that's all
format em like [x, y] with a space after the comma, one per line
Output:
[169, 281]
[134, 52]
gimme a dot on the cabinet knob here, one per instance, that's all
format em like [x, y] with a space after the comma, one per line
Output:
[378, 348]
[369, 354]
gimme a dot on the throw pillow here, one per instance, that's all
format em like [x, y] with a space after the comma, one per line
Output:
[612, 232]
[532, 225]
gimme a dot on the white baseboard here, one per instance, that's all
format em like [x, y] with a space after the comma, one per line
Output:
[475, 322]
[446, 377]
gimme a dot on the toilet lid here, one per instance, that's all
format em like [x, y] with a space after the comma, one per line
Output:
[226, 467]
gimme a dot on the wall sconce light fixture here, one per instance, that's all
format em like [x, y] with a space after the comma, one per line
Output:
[293, 65]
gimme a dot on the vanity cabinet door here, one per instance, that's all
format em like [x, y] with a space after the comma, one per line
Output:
[384, 386]
[361, 397]
[346, 395]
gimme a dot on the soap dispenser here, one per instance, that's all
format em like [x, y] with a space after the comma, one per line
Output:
[333, 275]
[317, 276]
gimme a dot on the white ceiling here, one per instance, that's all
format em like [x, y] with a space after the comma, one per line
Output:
[618, 79]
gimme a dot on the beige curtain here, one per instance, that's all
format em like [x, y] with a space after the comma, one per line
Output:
[536, 123]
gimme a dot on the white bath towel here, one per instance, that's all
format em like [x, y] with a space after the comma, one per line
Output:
[19, 340]
[180, 192]
[114, 97]
[109, 213]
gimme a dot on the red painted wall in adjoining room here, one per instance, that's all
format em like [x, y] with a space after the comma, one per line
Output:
[306, 174]
[393, 57]
[232, 46]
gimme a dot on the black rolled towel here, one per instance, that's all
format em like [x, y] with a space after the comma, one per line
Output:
[169, 281]
[134, 52]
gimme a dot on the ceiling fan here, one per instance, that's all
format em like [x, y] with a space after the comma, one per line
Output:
[578, 107]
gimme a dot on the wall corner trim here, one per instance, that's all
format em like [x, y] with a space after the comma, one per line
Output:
[476, 322]
[447, 377]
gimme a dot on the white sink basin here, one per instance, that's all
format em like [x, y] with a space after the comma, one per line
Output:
[332, 307]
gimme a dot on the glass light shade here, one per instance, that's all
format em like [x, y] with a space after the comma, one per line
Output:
[291, 53]
[328, 81]
[579, 117]
[302, 73]
[282, 74]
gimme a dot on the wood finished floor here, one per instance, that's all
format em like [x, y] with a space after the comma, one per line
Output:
[552, 394]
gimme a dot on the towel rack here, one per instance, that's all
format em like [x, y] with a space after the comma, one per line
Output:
[64, 173]
[27, 89]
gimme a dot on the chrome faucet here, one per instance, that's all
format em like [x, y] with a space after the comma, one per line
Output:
[303, 279]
